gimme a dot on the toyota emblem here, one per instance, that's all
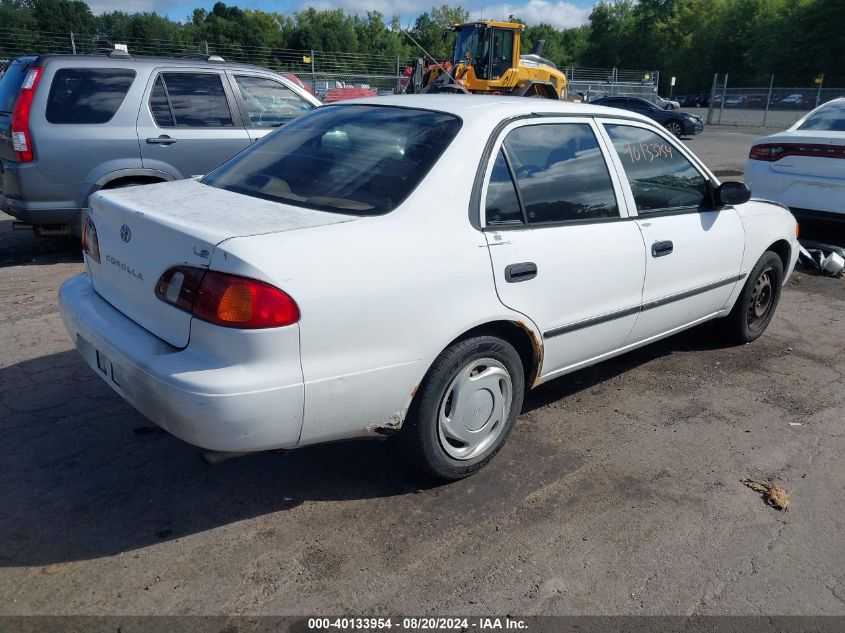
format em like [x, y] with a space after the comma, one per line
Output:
[125, 233]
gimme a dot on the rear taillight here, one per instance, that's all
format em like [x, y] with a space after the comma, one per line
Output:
[228, 300]
[21, 141]
[772, 152]
[90, 244]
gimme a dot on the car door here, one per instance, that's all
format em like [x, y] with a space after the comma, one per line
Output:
[563, 251]
[188, 123]
[266, 103]
[694, 251]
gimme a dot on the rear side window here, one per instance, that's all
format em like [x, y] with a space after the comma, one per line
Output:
[87, 95]
[11, 79]
[190, 100]
[361, 160]
[561, 173]
[269, 103]
[502, 205]
[830, 118]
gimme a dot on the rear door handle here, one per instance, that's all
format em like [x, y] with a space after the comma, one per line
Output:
[660, 249]
[520, 272]
[161, 140]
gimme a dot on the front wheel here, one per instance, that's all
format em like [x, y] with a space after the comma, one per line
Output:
[675, 127]
[755, 306]
[465, 408]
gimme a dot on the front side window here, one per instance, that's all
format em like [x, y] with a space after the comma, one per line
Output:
[191, 100]
[269, 103]
[561, 173]
[362, 160]
[87, 95]
[661, 178]
[830, 118]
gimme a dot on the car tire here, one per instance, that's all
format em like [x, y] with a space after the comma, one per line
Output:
[465, 408]
[675, 127]
[756, 304]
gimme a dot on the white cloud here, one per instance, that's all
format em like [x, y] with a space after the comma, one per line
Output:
[127, 6]
[388, 7]
[559, 14]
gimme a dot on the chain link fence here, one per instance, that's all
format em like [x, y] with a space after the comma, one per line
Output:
[593, 83]
[326, 72]
[765, 106]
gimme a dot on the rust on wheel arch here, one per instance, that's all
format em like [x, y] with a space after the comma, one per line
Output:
[537, 344]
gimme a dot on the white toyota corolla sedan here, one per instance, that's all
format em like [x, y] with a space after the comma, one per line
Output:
[804, 167]
[411, 265]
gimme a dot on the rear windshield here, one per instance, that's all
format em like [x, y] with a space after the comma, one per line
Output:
[87, 95]
[11, 78]
[357, 159]
[830, 117]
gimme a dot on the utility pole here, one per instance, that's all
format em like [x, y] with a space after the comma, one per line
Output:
[72, 43]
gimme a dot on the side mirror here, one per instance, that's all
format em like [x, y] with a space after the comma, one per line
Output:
[731, 193]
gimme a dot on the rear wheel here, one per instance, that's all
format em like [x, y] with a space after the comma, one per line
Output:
[465, 408]
[755, 307]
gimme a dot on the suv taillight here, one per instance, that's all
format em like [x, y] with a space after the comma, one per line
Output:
[90, 244]
[21, 141]
[224, 299]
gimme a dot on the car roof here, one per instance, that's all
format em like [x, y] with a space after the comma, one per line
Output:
[123, 60]
[469, 106]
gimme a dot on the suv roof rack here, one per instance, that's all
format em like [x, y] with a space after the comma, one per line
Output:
[215, 59]
[117, 52]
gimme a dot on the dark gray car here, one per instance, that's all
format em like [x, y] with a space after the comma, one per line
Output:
[73, 124]
[678, 122]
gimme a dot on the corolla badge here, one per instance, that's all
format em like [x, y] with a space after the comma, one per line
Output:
[125, 233]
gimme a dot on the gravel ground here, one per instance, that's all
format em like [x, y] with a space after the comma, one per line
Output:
[618, 493]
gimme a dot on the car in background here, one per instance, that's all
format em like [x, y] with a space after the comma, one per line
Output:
[295, 295]
[678, 122]
[298, 82]
[71, 125]
[795, 101]
[694, 101]
[736, 101]
[804, 166]
[666, 104]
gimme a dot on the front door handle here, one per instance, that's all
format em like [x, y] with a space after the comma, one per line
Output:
[520, 272]
[660, 249]
[161, 140]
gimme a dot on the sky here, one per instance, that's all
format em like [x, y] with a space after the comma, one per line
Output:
[558, 13]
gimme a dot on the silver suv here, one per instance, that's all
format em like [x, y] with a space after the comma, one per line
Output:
[73, 124]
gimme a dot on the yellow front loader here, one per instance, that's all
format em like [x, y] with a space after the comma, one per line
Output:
[487, 60]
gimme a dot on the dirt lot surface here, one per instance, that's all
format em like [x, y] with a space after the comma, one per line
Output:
[618, 493]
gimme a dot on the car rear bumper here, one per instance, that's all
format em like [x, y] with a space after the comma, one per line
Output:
[40, 214]
[28, 196]
[224, 395]
[809, 193]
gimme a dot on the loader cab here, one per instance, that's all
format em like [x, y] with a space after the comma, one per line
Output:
[491, 48]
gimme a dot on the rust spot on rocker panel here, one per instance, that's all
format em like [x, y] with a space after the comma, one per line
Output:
[534, 376]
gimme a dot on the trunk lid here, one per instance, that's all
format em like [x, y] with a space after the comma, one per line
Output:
[143, 231]
[812, 165]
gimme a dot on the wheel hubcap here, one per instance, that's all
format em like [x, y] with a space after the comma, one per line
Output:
[675, 129]
[761, 300]
[475, 408]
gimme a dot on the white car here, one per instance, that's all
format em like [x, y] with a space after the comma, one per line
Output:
[411, 265]
[666, 104]
[804, 167]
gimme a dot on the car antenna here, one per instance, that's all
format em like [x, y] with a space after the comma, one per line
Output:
[431, 57]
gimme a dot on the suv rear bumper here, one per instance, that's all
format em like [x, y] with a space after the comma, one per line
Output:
[40, 213]
[217, 403]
